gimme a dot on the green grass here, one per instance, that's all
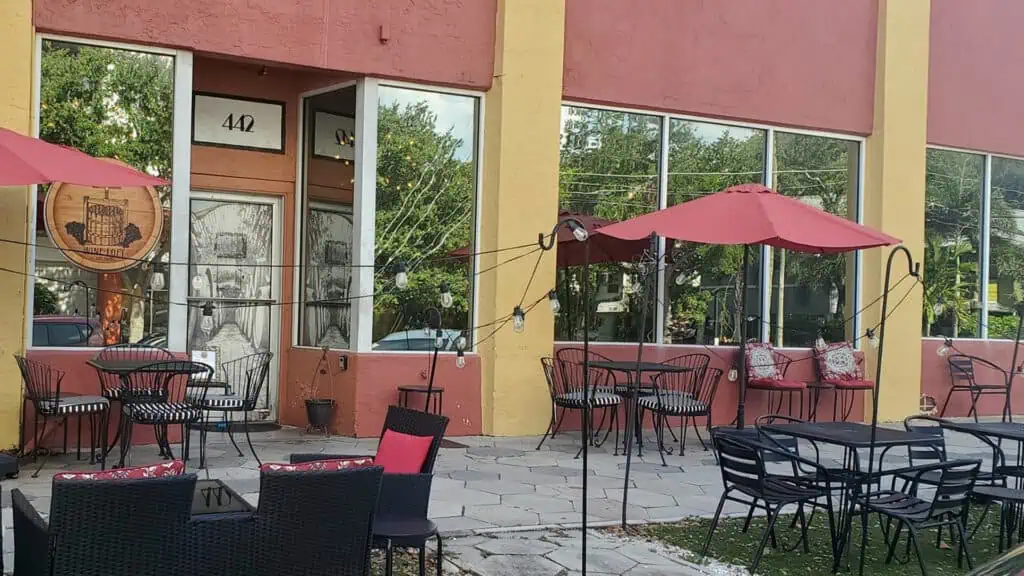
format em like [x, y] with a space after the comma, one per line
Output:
[732, 546]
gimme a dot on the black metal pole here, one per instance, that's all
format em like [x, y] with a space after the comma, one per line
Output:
[915, 271]
[1008, 413]
[742, 368]
[435, 328]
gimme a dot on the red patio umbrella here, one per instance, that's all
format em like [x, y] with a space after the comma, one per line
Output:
[25, 160]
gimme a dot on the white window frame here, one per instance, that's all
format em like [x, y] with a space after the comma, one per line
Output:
[770, 131]
[181, 176]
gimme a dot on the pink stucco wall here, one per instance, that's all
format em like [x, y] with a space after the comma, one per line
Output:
[442, 41]
[974, 87]
[805, 63]
[935, 380]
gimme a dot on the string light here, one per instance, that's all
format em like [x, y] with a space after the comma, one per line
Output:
[439, 339]
[461, 342]
[733, 374]
[939, 307]
[518, 319]
[578, 232]
[198, 282]
[556, 306]
[872, 338]
[460, 359]
[156, 282]
[446, 296]
[819, 342]
[943, 350]
[401, 276]
[206, 325]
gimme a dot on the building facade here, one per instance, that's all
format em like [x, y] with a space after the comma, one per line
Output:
[343, 172]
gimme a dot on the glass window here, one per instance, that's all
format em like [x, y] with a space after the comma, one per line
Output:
[703, 283]
[329, 173]
[1006, 266]
[110, 103]
[425, 211]
[953, 198]
[608, 169]
[812, 294]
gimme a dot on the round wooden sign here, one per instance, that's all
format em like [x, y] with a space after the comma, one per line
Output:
[104, 229]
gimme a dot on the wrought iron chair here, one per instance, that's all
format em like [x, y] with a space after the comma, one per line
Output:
[111, 383]
[685, 395]
[963, 376]
[156, 395]
[565, 384]
[846, 379]
[766, 371]
[246, 376]
[575, 357]
[42, 388]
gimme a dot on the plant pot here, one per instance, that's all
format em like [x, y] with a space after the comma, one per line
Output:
[319, 413]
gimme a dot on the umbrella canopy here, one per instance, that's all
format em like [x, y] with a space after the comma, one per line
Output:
[25, 160]
[752, 214]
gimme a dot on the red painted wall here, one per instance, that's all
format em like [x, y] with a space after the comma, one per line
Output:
[441, 42]
[973, 85]
[806, 63]
[936, 383]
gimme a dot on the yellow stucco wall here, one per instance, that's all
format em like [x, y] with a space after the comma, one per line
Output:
[894, 193]
[16, 45]
[520, 199]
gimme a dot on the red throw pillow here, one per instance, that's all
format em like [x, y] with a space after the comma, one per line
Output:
[319, 465]
[172, 468]
[838, 362]
[761, 362]
[402, 453]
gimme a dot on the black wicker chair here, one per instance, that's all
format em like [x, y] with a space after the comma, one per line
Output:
[156, 395]
[246, 377]
[111, 383]
[42, 388]
[963, 376]
[315, 523]
[105, 528]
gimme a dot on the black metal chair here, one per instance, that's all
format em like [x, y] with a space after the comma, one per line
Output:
[156, 395]
[565, 385]
[106, 528]
[42, 388]
[406, 421]
[111, 383]
[948, 507]
[315, 523]
[686, 395]
[747, 482]
[245, 377]
[963, 376]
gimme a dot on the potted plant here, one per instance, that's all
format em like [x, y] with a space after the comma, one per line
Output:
[318, 395]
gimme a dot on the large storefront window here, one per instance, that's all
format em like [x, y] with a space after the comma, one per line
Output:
[609, 169]
[1006, 241]
[101, 255]
[952, 261]
[704, 282]
[425, 214]
[812, 294]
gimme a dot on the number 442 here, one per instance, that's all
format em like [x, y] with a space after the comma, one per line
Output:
[242, 122]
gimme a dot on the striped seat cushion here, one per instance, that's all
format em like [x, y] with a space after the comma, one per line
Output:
[116, 393]
[74, 405]
[674, 403]
[162, 412]
[221, 402]
[574, 399]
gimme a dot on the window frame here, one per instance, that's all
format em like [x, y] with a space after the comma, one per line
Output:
[770, 131]
[181, 176]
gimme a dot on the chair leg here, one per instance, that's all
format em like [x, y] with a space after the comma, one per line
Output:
[78, 442]
[659, 429]
[186, 440]
[558, 424]
[35, 447]
[895, 540]
[773, 515]
[231, 435]
[551, 425]
[696, 429]
[714, 524]
[682, 436]
[611, 414]
[388, 559]
[750, 517]
[963, 546]
[974, 406]
[423, 559]
[946, 403]
[917, 550]
[439, 559]
[248, 439]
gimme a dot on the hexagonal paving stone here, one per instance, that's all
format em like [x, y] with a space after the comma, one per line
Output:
[518, 566]
[559, 471]
[502, 487]
[470, 475]
[494, 452]
[514, 546]
[643, 498]
[608, 561]
[467, 497]
[500, 515]
[537, 503]
[651, 468]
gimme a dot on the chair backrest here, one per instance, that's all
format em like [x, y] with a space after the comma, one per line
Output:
[417, 423]
[708, 389]
[778, 441]
[247, 376]
[316, 523]
[689, 382]
[547, 364]
[961, 369]
[953, 491]
[109, 380]
[741, 463]
[404, 496]
[929, 426]
[576, 355]
[42, 381]
[165, 381]
[120, 527]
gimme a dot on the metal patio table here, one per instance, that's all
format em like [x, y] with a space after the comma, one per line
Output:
[851, 437]
[631, 391]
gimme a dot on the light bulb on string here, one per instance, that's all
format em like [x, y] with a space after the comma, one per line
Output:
[198, 282]
[206, 325]
[680, 279]
[819, 342]
[426, 330]
[460, 359]
[401, 276]
[873, 338]
[733, 374]
[446, 296]
[939, 307]
[156, 281]
[943, 350]
[461, 342]
[439, 339]
[578, 232]
[556, 306]
[518, 319]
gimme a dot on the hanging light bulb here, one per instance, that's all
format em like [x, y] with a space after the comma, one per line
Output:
[819, 342]
[198, 282]
[439, 339]
[680, 279]
[461, 342]
[578, 232]
[943, 350]
[939, 307]
[206, 325]
[733, 374]
[446, 296]
[426, 330]
[873, 338]
[556, 306]
[518, 319]
[401, 276]
[460, 359]
[833, 299]
[156, 281]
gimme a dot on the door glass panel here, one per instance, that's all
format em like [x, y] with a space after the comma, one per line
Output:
[328, 276]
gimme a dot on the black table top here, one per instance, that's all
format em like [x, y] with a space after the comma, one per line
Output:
[630, 366]
[216, 497]
[1004, 430]
[849, 434]
[125, 366]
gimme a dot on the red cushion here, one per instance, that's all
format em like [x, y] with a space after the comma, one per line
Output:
[402, 453]
[172, 468]
[852, 384]
[837, 361]
[773, 384]
[319, 465]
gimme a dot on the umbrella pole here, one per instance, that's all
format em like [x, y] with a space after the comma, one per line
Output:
[741, 405]
[586, 388]
[914, 270]
[1008, 414]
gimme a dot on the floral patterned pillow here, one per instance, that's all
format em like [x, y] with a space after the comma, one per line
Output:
[837, 362]
[761, 362]
[319, 465]
[172, 468]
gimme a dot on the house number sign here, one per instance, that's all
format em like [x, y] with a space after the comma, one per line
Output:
[235, 122]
